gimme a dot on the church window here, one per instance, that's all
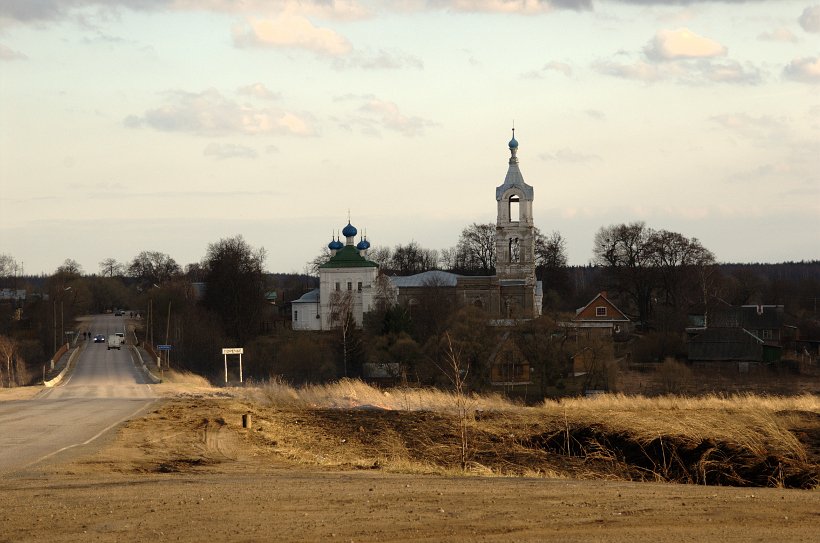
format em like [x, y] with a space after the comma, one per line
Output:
[515, 250]
[338, 286]
[515, 209]
[359, 287]
[349, 286]
[295, 316]
[600, 311]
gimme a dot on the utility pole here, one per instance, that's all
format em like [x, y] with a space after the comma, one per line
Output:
[167, 331]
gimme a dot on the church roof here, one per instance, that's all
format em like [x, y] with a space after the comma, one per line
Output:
[310, 297]
[514, 177]
[434, 277]
[348, 257]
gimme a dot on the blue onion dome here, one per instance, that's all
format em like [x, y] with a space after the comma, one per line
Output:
[362, 245]
[335, 245]
[513, 143]
[349, 231]
[366, 244]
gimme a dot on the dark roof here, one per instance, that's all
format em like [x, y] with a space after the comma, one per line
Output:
[750, 317]
[348, 257]
[725, 344]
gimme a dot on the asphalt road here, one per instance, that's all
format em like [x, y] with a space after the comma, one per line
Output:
[104, 390]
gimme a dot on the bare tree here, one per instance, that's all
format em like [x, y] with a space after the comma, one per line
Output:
[111, 268]
[14, 362]
[476, 249]
[313, 266]
[457, 373]
[8, 266]
[381, 255]
[70, 266]
[624, 252]
[413, 258]
[341, 318]
[153, 267]
[544, 343]
[236, 286]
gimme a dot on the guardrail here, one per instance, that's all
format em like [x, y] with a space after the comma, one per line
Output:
[56, 380]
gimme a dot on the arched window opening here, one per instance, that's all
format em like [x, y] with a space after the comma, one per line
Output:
[515, 250]
[515, 209]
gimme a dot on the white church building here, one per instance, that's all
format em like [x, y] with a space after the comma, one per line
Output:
[349, 279]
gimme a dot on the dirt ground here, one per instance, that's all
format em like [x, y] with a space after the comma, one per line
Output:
[188, 471]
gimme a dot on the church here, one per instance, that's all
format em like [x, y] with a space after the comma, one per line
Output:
[349, 281]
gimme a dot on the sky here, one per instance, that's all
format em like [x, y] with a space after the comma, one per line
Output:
[166, 125]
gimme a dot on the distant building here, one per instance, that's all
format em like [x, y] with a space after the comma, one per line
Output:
[600, 318]
[512, 292]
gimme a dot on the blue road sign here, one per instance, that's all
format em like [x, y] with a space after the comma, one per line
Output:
[164, 347]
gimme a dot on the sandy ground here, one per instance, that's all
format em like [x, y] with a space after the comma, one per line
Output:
[188, 471]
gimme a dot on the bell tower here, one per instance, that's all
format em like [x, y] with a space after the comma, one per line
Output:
[515, 239]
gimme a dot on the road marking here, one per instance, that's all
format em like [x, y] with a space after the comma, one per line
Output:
[93, 438]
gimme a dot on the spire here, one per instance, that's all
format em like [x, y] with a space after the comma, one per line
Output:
[513, 147]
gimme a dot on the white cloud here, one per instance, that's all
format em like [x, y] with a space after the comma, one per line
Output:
[290, 31]
[810, 19]
[260, 91]
[383, 60]
[222, 151]
[568, 155]
[682, 43]
[595, 114]
[558, 66]
[684, 57]
[525, 7]
[209, 113]
[803, 69]
[641, 71]
[36, 11]
[392, 119]
[778, 34]
[10, 54]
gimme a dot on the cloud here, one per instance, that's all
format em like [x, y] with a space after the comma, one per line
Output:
[290, 31]
[778, 34]
[641, 71]
[10, 54]
[595, 114]
[803, 69]
[259, 90]
[38, 11]
[208, 113]
[393, 120]
[383, 60]
[375, 114]
[525, 7]
[684, 57]
[228, 150]
[682, 43]
[565, 69]
[759, 128]
[558, 66]
[568, 155]
[810, 19]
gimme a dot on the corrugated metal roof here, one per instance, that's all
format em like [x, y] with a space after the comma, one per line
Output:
[725, 344]
[436, 278]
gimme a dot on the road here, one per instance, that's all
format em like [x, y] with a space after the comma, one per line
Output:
[104, 390]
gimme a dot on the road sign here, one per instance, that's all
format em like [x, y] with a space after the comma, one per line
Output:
[164, 347]
[69, 332]
[232, 351]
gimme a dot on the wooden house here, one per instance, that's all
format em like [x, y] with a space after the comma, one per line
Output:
[600, 318]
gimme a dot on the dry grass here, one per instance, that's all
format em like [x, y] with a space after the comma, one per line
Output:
[739, 440]
[353, 394]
